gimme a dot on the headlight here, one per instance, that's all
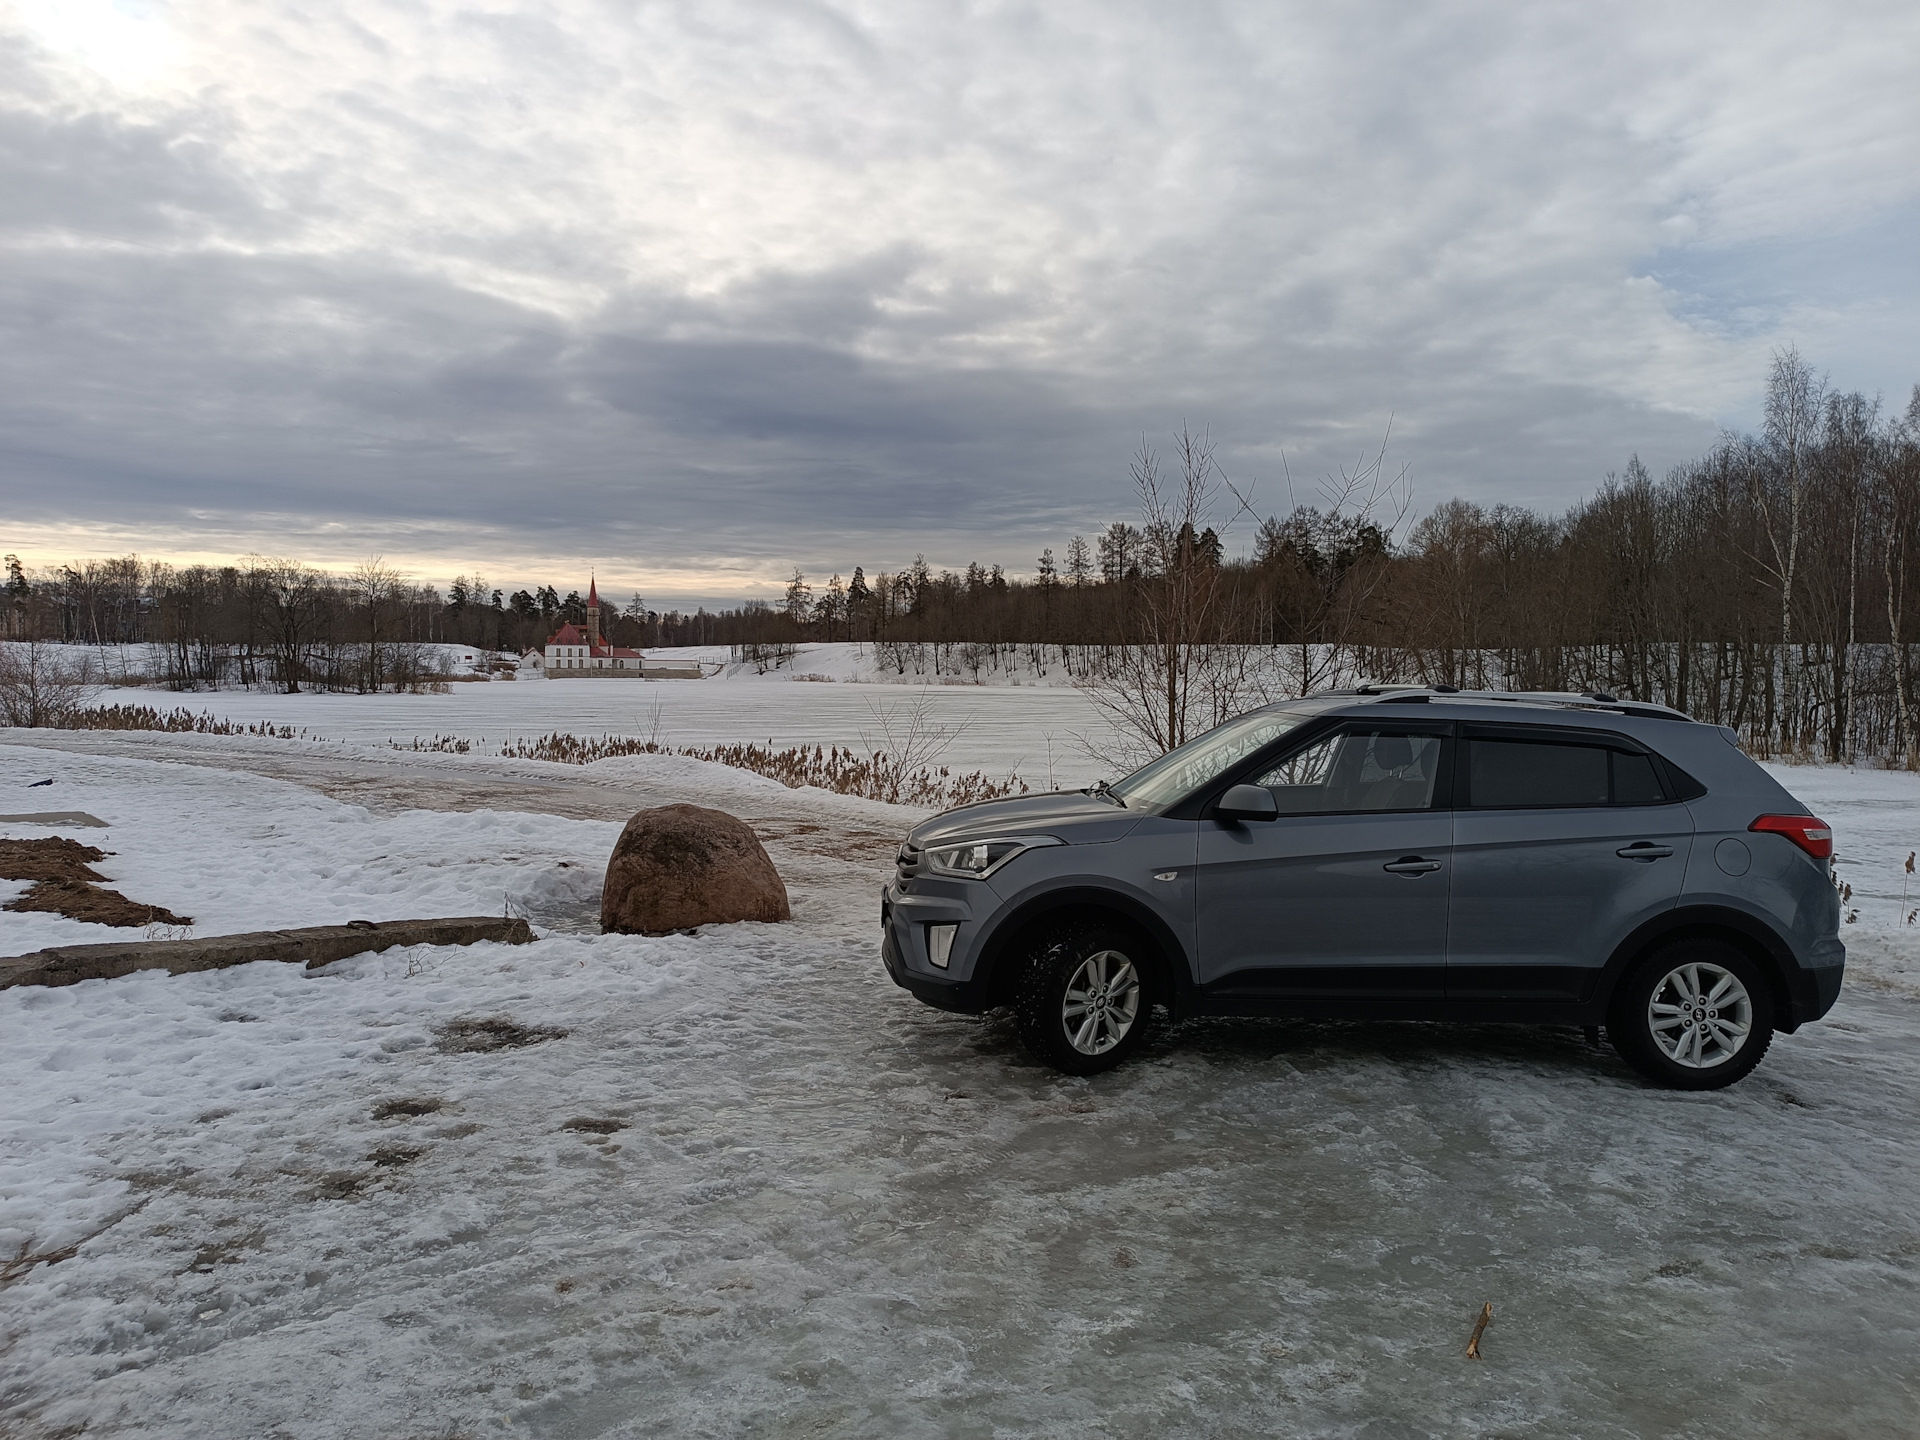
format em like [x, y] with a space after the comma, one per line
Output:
[977, 859]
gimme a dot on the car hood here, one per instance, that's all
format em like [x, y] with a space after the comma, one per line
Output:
[1072, 815]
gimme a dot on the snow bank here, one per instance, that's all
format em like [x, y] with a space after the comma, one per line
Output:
[241, 852]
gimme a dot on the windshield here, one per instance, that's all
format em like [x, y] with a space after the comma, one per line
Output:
[1178, 773]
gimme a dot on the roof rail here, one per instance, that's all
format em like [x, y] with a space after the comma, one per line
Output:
[1568, 699]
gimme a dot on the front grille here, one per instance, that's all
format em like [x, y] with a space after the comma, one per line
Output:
[907, 862]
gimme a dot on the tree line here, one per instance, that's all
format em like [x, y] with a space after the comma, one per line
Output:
[1767, 585]
[267, 621]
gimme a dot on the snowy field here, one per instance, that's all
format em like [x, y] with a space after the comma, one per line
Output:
[753, 1188]
[994, 728]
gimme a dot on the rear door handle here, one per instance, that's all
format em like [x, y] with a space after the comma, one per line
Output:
[1411, 865]
[1644, 850]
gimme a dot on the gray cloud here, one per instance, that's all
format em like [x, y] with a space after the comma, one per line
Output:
[719, 291]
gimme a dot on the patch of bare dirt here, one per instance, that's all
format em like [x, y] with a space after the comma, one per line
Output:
[64, 884]
[389, 1109]
[54, 858]
[388, 1156]
[590, 1125]
[484, 1033]
[95, 904]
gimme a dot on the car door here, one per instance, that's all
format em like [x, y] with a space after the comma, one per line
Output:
[1564, 841]
[1344, 895]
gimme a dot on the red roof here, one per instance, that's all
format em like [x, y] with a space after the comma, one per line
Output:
[571, 634]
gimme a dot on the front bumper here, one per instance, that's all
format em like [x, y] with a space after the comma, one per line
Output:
[904, 918]
[955, 995]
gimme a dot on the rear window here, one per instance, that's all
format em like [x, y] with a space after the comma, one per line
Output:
[1535, 774]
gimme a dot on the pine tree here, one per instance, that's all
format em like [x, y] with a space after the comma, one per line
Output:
[799, 602]
[18, 592]
[1079, 562]
[1119, 552]
[917, 583]
[832, 610]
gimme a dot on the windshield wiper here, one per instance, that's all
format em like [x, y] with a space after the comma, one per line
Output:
[1104, 789]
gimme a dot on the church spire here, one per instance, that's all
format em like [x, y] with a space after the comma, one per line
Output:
[593, 613]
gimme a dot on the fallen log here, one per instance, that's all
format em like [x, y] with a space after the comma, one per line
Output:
[313, 946]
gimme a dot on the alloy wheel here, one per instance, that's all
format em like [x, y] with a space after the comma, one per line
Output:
[1700, 1015]
[1101, 1002]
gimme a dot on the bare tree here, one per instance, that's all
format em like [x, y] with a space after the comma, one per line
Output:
[295, 595]
[1898, 500]
[1794, 401]
[43, 686]
[1327, 562]
[374, 585]
[1182, 675]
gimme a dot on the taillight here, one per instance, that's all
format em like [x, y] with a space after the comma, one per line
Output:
[1811, 835]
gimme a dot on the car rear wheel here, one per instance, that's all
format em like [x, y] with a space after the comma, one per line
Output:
[1084, 1005]
[1695, 1015]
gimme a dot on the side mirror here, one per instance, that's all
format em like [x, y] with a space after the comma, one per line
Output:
[1247, 802]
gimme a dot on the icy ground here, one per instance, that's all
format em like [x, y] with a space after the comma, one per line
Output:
[755, 1189]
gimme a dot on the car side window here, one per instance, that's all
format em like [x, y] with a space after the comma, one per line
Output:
[1538, 774]
[1634, 780]
[1357, 770]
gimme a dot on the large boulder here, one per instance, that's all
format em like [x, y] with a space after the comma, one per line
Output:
[681, 866]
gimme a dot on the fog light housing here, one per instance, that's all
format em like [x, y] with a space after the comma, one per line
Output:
[940, 943]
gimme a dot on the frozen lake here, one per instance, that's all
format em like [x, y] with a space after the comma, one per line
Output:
[995, 728]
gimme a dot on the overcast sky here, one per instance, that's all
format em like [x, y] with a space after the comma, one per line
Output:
[693, 293]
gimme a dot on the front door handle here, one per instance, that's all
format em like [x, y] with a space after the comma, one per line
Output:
[1411, 865]
[1644, 850]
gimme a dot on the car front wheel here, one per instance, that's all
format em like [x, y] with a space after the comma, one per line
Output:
[1083, 1006]
[1695, 1015]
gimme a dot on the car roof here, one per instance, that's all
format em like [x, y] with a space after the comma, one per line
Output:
[1548, 706]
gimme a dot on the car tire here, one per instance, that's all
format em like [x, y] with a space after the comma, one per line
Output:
[1694, 1015]
[1084, 1002]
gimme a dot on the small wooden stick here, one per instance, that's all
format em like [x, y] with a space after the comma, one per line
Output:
[1479, 1329]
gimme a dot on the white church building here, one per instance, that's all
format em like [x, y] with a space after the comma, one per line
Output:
[575, 652]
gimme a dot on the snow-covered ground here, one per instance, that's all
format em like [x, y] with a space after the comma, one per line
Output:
[755, 1189]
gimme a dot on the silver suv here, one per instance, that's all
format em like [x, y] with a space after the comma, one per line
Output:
[1393, 852]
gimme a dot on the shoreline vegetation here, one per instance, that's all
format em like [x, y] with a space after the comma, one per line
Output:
[877, 775]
